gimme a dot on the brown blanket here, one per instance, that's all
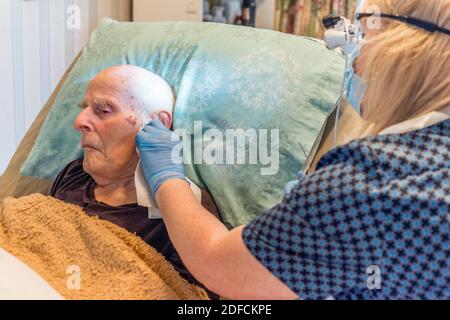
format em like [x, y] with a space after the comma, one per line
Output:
[84, 257]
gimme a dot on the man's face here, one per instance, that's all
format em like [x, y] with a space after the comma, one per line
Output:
[108, 124]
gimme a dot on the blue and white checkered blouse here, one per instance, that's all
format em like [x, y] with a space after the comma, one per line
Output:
[371, 223]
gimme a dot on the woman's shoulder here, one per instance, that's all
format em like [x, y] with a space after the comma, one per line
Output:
[424, 149]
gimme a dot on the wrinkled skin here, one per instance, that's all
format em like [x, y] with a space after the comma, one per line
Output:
[111, 116]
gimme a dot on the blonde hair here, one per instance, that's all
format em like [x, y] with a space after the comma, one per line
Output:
[407, 67]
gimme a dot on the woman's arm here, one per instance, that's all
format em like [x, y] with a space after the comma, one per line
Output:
[216, 257]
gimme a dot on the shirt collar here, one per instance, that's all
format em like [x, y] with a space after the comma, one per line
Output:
[419, 122]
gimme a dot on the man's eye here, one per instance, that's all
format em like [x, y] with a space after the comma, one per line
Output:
[104, 111]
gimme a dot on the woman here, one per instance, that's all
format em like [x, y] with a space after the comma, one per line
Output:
[373, 221]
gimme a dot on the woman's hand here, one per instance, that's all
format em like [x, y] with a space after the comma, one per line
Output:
[216, 257]
[159, 160]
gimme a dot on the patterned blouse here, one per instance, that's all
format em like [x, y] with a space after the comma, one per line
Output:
[371, 223]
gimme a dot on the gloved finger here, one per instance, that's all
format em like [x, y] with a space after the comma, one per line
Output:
[154, 124]
[140, 139]
[153, 137]
[146, 138]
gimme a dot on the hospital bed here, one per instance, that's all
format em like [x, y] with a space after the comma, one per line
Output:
[18, 281]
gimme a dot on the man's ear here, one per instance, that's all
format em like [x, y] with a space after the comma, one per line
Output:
[166, 118]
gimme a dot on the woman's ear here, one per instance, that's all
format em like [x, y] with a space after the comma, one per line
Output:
[166, 118]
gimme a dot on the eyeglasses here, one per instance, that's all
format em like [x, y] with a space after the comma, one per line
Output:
[429, 26]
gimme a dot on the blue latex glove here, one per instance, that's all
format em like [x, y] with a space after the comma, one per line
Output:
[155, 144]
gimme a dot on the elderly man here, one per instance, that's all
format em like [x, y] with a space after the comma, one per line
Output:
[118, 101]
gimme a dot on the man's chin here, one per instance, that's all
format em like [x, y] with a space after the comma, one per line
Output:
[89, 166]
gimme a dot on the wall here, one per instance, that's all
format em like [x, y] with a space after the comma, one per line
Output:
[265, 14]
[40, 38]
[167, 10]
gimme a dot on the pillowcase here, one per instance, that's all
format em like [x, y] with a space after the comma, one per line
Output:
[224, 77]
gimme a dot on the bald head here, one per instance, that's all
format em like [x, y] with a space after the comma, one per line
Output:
[144, 92]
[118, 102]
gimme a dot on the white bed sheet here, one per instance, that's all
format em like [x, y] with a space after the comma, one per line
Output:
[20, 282]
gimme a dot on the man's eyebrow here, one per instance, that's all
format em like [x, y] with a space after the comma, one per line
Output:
[97, 102]
[102, 102]
[83, 105]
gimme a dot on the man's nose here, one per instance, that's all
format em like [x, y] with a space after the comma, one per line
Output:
[83, 121]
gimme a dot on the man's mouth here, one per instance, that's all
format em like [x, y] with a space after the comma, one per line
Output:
[88, 147]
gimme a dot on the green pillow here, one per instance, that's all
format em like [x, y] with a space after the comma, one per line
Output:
[225, 76]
